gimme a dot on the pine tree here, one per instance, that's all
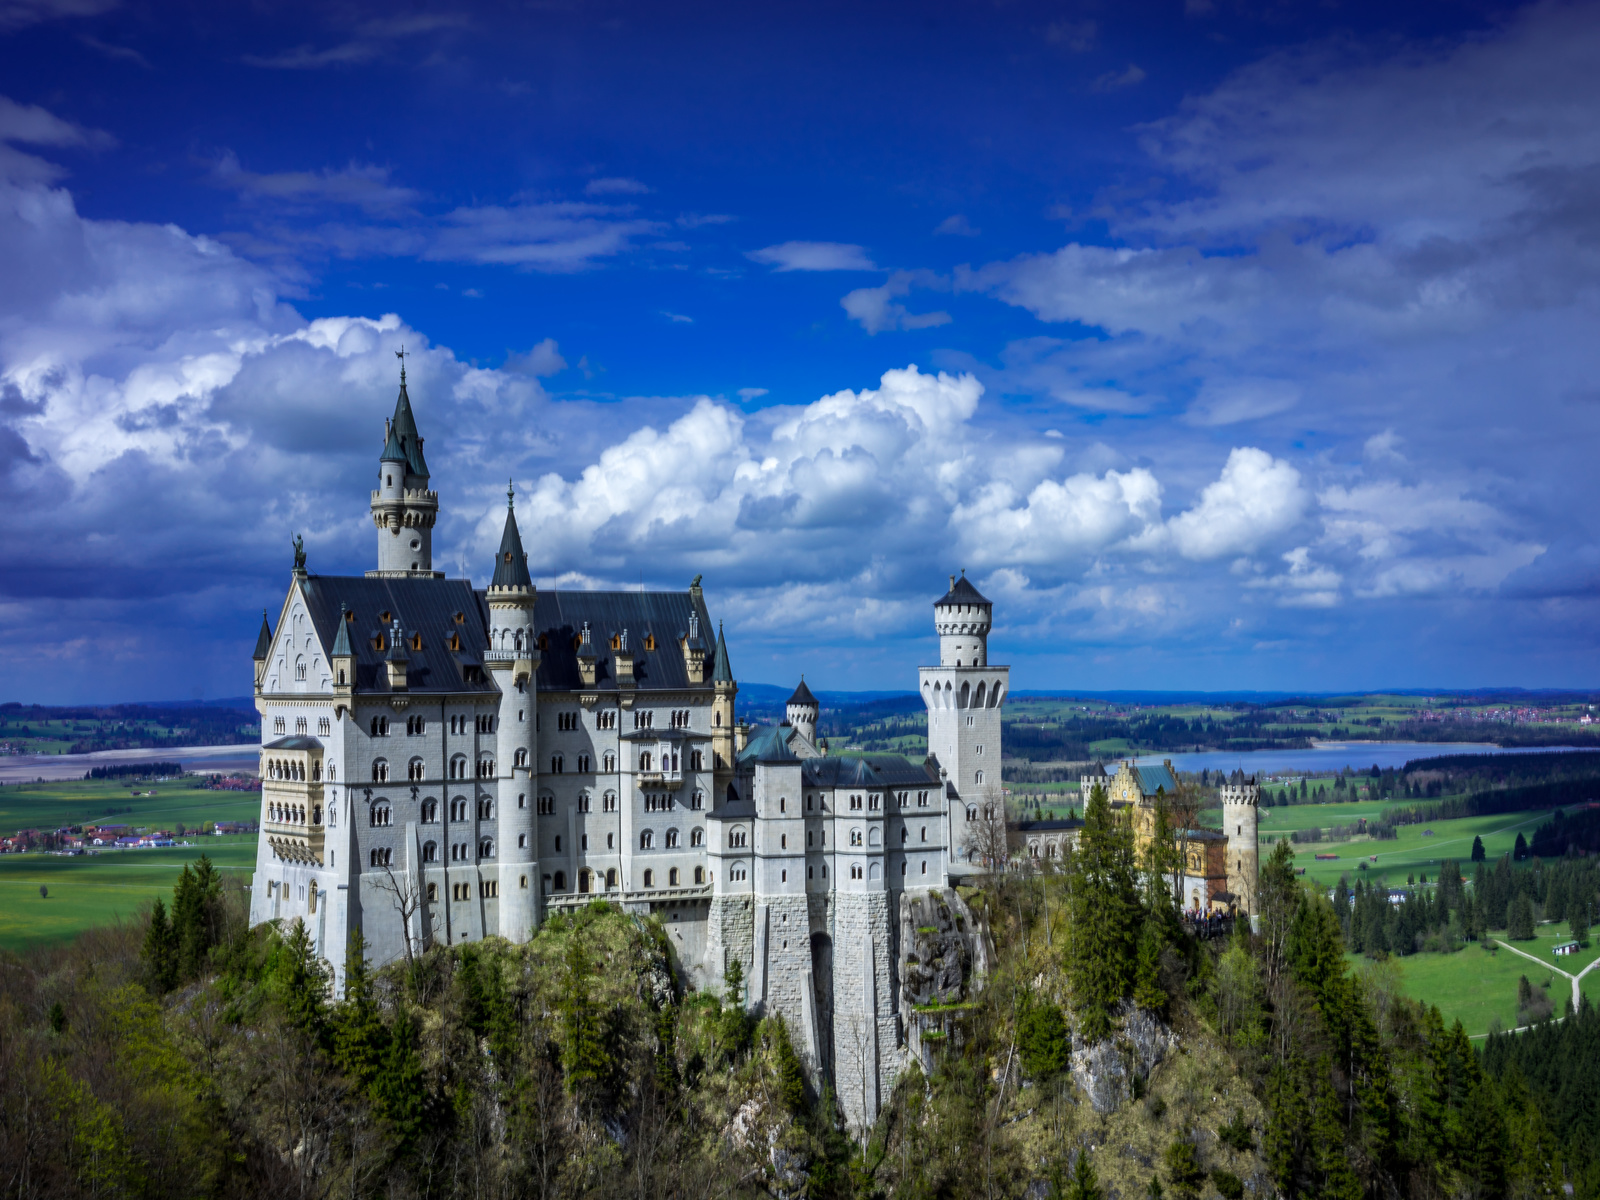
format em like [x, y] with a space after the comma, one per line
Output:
[160, 951]
[1339, 1182]
[1478, 853]
[791, 1079]
[398, 1088]
[1042, 1041]
[733, 1026]
[1105, 910]
[1519, 922]
[1147, 991]
[1083, 1185]
[583, 1050]
[360, 1041]
[301, 985]
[1578, 918]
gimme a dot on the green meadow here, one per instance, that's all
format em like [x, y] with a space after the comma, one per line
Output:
[52, 805]
[98, 889]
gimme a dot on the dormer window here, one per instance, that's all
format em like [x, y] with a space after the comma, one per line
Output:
[649, 641]
[416, 641]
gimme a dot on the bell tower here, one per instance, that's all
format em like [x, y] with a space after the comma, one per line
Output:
[403, 508]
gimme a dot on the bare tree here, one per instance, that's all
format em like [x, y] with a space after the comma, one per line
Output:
[985, 839]
[407, 898]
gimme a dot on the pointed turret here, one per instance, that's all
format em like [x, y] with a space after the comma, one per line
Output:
[263, 639]
[403, 508]
[721, 670]
[511, 564]
[724, 692]
[341, 640]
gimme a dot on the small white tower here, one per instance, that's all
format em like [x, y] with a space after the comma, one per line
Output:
[964, 695]
[1241, 800]
[403, 508]
[801, 712]
[513, 657]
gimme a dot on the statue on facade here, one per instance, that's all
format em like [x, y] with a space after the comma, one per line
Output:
[299, 553]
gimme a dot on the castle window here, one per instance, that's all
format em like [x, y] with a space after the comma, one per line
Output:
[547, 806]
[380, 857]
[608, 803]
[430, 811]
[324, 728]
[414, 770]
[649, 878]
[485, 810]
[380, 771]
[609, 763]
[736, 837]
[430, 852]
[697, 837]
[902, 869]
[922, 799]
[380, 815]
[583, 764]
[972, 812]
[855, 837]
[672, 838]
[699, 875]
[556, 764]
[696, 761]
[583, 802]
[978, 777]
[924, 833]
[647, 839]
[278, 726]
[697, 800]
[561, 881]
[433, 893]
[611, 878]
[458, 767]
[783, 841]
[486, 848]
[855, 871]
[300, 669]
[486, 768]
[905, 836]
[672, 877]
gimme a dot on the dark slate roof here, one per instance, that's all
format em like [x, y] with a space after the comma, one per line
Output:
[298, 741]
[404, 426]
[263, 640]
[721, 669]
[961, 592]
[393, 451]
[768, 743]
[1095, 771]
[867, 770]
[422, 606]
[1240, 779]
[802, 695]
[558, 619]
[1152, 779]
[1053, 824]
[511, 564]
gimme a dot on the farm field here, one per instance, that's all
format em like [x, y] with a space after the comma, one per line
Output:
[100, 889]
[109, 801]
[1411, 852]
[1480, 987]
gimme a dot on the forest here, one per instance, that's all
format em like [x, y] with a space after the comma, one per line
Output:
[1111, 1049]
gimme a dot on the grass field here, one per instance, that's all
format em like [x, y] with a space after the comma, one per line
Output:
[89, 890]
[74, 801]
[1480, 987]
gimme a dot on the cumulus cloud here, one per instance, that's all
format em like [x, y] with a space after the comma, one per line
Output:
[813, 256]
[877, 309]
[1256, 498]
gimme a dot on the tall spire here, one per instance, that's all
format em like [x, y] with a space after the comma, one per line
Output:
[403, 428]
[511, 564]
[721, 669]
[263, 639]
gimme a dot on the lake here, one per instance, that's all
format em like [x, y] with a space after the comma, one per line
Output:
[1328, 757]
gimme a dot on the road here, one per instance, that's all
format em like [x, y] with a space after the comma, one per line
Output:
[1553, 967]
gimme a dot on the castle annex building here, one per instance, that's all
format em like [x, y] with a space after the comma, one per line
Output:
[444, 763]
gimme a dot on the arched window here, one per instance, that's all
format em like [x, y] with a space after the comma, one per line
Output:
[924, 833]
[699, 875]
[736, 837]
[855, 837]
[649, 878]
[644, 760]
[430, 852]
[672, 838]
[585, 881]
[873, 837]
[430, 811]
[380, 771]
[521, 758]
[561, 881]
[972, 812]
[977, 777]
[556, 763]
[458, 767]
[672, 877]
[486, 768]
[697, 837]
[647, 839]
[696, 761]
[547, 805]
[609, 802]
[611, 878]
[300, 669]
[486, 848]
[414, 770]
[380, 814]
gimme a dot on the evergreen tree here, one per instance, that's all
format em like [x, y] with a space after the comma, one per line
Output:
[583, 1049]
[1147, 991]
[1184, 1172]
[360, 1041]
[1105, 909]
[196, 900]
[398, 1088]
[1520, 850]
[1339, 1182]
[301, 984]
[1042, 1041]
[733, 1026]
[160, 951]
[1083, 1185]
[1520, 920]
[791, 1079]
[1478, 853]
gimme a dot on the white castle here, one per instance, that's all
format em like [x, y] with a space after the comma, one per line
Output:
[442, 764]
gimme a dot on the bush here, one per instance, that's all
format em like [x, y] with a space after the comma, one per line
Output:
[1042, 1041]
[1237, 1133]
[1228, 1184]
[1183, 1168]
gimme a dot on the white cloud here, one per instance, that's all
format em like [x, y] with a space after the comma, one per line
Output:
[372, 39]
[876, 309]
[1114, 80]
[16, 14]
[363, 185]
[813, 256]
[1256, 498]
[564, 236]
[1228, 402]
[615, 186]
[958, 226]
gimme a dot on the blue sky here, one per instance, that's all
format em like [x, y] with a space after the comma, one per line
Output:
[1226, 345]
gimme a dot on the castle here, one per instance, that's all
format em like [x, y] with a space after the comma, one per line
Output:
[442, 764]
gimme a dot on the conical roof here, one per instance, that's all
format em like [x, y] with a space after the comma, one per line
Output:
[263, 640]
[341, 640]
[961, 592]
[404, 426]
[393, 451]
[802, 695]
[721, 669]
[511, 564]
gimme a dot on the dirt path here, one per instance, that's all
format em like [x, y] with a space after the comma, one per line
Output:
[1553, 967]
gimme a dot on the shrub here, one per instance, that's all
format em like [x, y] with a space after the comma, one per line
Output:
[1229, 1184]
[1183, 1168]
[1042, 1041]
[1237, 1133]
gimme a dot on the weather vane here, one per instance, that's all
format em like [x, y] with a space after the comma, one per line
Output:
[401, 355]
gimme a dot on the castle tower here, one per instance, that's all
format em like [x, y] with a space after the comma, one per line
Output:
[724, 693]
[1241, 799]
[964, 696]
[513, 657]
[403, 508]
[801, 712]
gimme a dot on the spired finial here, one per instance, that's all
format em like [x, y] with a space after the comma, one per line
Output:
[401, 355]
[511, 494]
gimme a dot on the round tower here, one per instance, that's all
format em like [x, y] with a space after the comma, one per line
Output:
[403, 508]
[1241, 800]
[513, 658]
[963, 618]
[724, 695]
[801, 711]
